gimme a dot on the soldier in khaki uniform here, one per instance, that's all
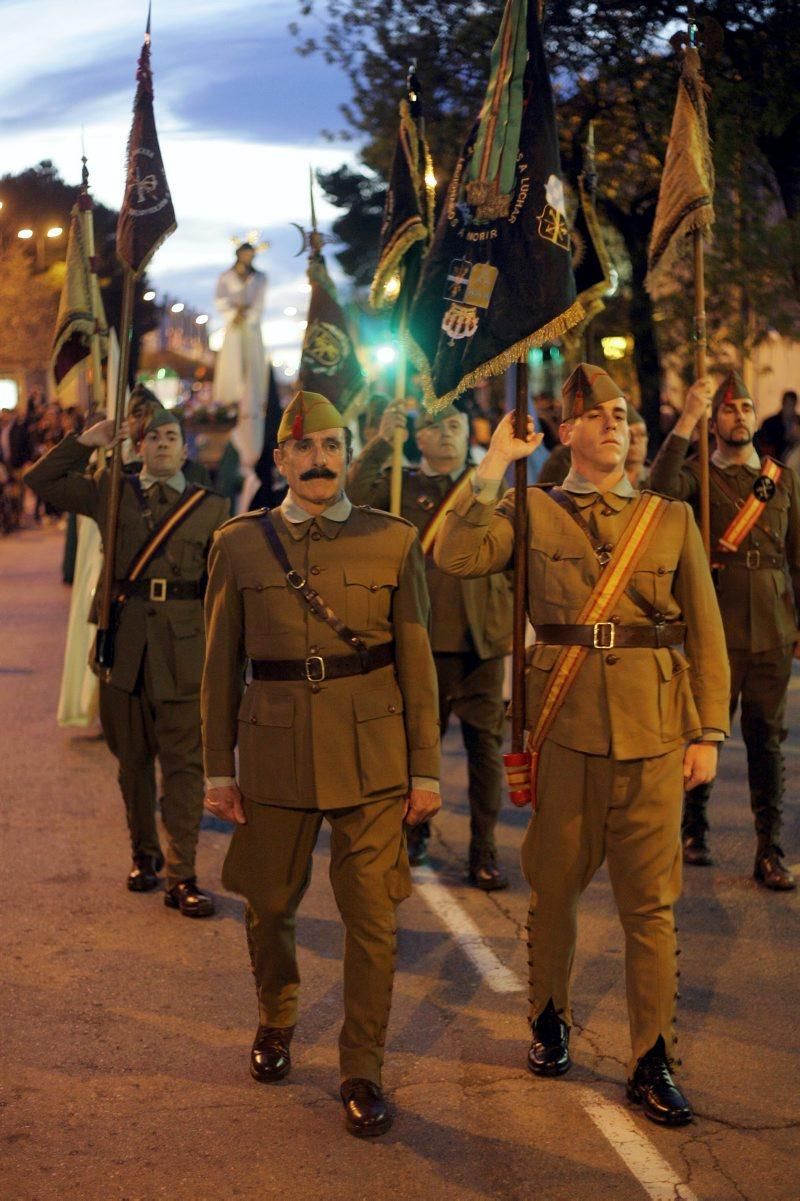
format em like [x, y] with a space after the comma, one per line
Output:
[555, 468]
[470, 622]
[327, 602]
[150, 707]
[758, 587]
[615, 756]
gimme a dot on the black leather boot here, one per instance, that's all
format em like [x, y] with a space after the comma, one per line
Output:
[366, 1113]
[652, 1087]
[191, 900]
[270, 1059]
[771, 872]
[143, 876]
[549, 1050]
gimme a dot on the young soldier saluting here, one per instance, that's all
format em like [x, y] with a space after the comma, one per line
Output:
[616, 582]
[470, 619]
[150, 707]
[755, 540]
[328, 604]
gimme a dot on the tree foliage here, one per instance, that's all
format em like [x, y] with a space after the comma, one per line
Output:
[611, 63]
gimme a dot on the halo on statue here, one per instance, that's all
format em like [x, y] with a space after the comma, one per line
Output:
[251, 238]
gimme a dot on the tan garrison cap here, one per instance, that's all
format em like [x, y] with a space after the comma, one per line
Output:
[586, 388]
[308, 413]
[732, 387]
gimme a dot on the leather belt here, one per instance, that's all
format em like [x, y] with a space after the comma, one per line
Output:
[315, 668]
[751, 559]
[607, 634]
[160, 589]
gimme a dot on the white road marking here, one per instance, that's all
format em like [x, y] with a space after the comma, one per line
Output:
[640, 1157]
[441, 901]
[635, 1150]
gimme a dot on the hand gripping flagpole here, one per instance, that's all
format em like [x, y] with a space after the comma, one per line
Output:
[518, 761]
[700, 344]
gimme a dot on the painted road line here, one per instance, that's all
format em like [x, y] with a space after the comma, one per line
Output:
[635, 1150]
[440, 900]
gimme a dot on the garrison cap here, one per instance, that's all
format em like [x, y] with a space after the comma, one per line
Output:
[586, 388]
[308, 413]
[159, 417]
[425, 418]
[732, 387]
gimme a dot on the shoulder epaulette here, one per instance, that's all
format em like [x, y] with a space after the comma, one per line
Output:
[662, 495]
[543, 487]
[385, 513]
[243, 517]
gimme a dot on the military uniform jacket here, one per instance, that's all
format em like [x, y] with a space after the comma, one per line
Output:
[465, 614]
[171, 631]
[340, 742]
[632, 703]
[759, 605]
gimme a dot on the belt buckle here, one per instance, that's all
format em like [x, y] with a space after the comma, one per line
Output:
[753, 559]
[295, 580]
[158, 590]
[311, 675]
[599, 635]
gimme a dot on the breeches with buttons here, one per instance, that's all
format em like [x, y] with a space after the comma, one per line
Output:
[593, 808]
[269, 863]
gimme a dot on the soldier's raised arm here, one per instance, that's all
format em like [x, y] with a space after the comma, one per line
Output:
[477, 537]
[367, 479]
[60, 477]
[670, 474]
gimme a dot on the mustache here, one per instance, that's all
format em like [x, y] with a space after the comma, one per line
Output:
[318, 473]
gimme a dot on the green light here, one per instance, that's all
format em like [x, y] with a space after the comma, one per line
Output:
[535, 356]
[555, 354]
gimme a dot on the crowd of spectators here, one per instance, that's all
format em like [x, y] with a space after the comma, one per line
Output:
[26, 433]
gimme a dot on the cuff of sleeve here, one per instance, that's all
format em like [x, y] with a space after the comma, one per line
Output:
[712, 736]
[485, 492]
[219, 763]
[677, 444]
[220, 781]
[427, 782]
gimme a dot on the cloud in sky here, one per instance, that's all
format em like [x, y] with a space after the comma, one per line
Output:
[239, 114]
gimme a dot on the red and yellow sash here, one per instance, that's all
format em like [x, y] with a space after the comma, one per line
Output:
[751, 510]
[601, 603]
[437, 521]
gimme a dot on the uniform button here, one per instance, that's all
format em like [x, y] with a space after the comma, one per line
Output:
[606, 512]
[393, 708]
[661, 570]
[315, 570]
[556, 556]
[259, 587]
[755, 542]
[252, 721]
[373, 587]
[313, 650]
[315, 535]
[612, 659]
[315, 687]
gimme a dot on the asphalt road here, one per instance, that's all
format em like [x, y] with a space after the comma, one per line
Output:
[126, 1028]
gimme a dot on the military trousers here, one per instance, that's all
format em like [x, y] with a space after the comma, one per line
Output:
[472, 689]
[138, 729]
[269, 863]
[628, 812]
[760, 683]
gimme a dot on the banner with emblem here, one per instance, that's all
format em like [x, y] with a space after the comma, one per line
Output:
[407, 225]
[498, 278]
[147, 217]
[81, 316]
[328, 361]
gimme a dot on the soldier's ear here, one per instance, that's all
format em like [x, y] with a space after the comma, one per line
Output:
[277, 458]
[565, 432]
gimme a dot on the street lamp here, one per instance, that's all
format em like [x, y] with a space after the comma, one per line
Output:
[54, 231]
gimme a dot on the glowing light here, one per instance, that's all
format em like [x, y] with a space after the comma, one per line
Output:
[178, 307]
[201, 319]
[291, 311]
[615, 347]
[392, 289]
[430, 179]
[385, 355]
[161, 373]
[149, 295]
[25, 234]
[55, 231]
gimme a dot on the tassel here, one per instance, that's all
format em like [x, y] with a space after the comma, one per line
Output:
[518, 777]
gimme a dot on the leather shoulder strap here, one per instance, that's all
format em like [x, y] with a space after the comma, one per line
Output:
[309, 595]
[160, 534]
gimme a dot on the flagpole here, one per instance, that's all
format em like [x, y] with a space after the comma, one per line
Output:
[104, 647]
[520, 566]
[398, 439]
[700, 344]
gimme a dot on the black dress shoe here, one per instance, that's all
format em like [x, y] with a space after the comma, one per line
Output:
[771, 872]
[488, 875]
[549, 1053]
[696, 852]
[143, 876]
[270, 1060]
[417, 844]
[191, 900]
[652, 1087]
[366, 1113]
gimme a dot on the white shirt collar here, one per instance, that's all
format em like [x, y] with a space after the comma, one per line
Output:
[575, 482]
[176, 481]
[753, 461]
[294, 512]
